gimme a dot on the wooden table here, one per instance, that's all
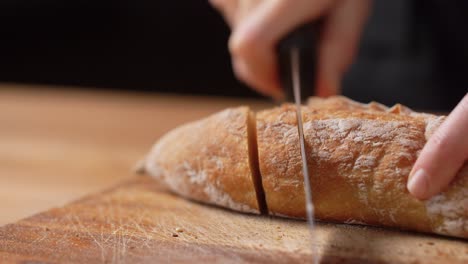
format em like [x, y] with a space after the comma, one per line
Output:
[57, 146]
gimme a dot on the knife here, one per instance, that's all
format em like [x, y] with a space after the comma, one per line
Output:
[297, 61]
[305, 39]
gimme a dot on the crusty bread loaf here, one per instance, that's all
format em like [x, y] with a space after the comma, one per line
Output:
[208, 161]
[359, 156]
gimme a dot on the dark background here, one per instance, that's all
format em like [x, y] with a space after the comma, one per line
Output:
[413, 51]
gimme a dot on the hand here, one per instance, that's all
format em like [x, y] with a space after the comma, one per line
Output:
[443, 155]
[257, 26]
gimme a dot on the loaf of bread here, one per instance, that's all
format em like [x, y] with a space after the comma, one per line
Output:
[359, 157]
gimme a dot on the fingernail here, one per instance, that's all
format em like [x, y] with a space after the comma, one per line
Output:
[418, 184]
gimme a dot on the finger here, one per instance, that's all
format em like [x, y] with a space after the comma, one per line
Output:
[339, 40]
[244, 73]
[253, 42]
[245, 8]
[227, 8]
[442, 156]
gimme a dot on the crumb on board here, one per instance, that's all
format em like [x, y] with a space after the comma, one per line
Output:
[175, 235]
[179, 230]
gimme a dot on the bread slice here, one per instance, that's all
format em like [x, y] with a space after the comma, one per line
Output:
[359, 156]
[208, 161]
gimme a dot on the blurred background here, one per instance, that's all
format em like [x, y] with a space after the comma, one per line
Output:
[413, 51]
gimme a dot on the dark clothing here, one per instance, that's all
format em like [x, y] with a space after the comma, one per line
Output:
[413, 52]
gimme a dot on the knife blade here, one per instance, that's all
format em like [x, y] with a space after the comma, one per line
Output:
[295, 61]
[300, 128]
[297, 53]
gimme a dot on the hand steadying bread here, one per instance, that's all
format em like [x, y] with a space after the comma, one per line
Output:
[360, 157]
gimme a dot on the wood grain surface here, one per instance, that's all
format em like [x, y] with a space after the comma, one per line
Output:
[58, 144]
[55, 146]
[137, 222]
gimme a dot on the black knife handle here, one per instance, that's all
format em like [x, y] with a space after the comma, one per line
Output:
[305, 38]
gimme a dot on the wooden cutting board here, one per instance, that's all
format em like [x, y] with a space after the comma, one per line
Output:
[56, 145]
[137, 222]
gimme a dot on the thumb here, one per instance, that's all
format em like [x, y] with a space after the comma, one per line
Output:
[442, 156]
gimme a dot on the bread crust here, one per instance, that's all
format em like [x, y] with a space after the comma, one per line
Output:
[359, 158]
[208, 161]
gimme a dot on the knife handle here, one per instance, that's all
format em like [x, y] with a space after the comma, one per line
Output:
[305, 38]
